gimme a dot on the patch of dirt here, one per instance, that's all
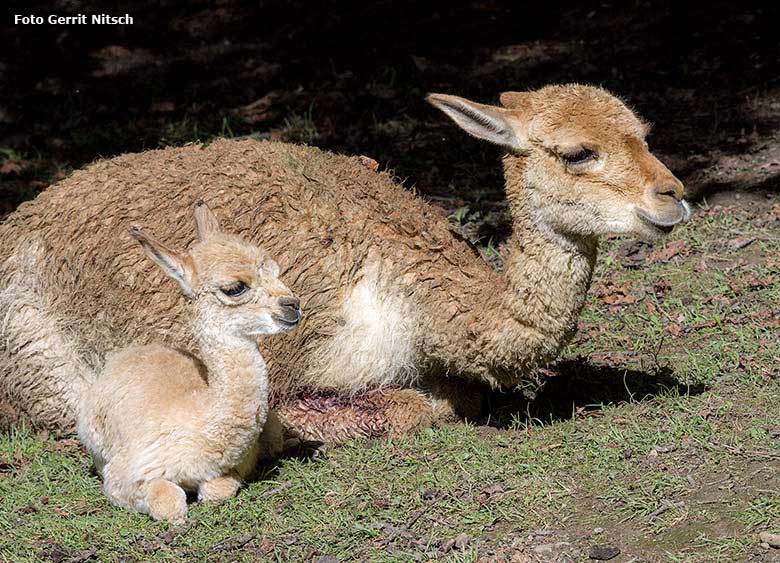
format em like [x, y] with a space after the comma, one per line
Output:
[729, 200]
[700, 517]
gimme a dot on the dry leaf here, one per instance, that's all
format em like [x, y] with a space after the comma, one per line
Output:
[12, 166]
[672, 249]
[369, 163]
[615, 294]
[674, 329]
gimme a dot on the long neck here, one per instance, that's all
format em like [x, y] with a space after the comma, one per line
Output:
[547, 276]
[237, 385]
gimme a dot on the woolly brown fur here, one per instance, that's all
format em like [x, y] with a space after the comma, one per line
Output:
[333, 225]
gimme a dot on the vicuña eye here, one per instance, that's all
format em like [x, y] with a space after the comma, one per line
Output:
[235, 290]
[580, 156]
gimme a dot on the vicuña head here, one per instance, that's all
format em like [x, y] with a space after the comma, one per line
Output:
[234, 286]
[580, 158]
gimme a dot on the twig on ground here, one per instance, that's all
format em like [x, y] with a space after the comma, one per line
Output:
[231, 544]
[283, 487]
[665, 506]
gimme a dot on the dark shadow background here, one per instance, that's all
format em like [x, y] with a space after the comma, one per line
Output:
[351, 77]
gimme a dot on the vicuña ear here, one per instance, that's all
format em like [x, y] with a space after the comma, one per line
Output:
[174, 264]
[515, 100]
[496, 125]
[206, 221]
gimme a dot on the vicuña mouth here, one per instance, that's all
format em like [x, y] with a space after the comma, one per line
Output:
[286, 322]
[663, 227]
[665, 224]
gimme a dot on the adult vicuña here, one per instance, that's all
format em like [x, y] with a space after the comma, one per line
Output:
[158, 421]
[393, 298]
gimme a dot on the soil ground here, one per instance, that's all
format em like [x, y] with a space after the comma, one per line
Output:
[656, 436]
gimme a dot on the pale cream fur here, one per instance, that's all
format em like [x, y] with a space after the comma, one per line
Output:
[158, 421]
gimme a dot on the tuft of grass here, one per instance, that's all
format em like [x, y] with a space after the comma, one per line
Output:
[665, 441]
[300, 128]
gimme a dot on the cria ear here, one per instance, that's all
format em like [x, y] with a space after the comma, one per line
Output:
[496, 125]
[207, 222]
[174, 264]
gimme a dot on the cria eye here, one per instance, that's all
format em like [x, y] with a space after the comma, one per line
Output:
[579, 157]
[235, 290]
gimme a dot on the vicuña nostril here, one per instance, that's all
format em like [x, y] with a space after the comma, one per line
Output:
[667, 190]
[291, 307]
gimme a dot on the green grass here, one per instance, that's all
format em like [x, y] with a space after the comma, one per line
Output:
[667, 441]
[300, 128]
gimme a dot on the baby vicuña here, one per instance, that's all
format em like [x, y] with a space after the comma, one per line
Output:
[158, 421]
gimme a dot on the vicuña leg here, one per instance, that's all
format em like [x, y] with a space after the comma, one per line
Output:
[9, 416]
[43, 373]
[334, 419]
[271, 442]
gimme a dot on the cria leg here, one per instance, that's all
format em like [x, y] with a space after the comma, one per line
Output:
[219, 489]
[163, 500]
[159, 498]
